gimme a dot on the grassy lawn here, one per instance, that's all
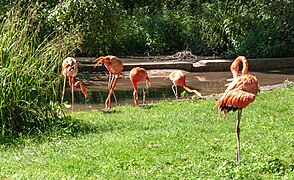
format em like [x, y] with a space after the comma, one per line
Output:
[166, 140]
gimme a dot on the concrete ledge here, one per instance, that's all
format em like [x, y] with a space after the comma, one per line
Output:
[186, 66]
[202, 65]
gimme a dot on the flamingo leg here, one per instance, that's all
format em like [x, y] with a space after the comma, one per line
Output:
[115, 98]
[225, 113]
[84, 90]
[175, 90]
[110, 82]
[71, 83]
[107, 102]
[135, 93]
[219, 113]
[110, 79]
[63, 90]
[177, 95]
[173, 86]
[144, 95]
[238, 157]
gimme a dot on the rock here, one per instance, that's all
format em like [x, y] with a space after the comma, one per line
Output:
[182, 55]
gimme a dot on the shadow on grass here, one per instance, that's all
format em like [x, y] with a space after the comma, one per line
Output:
[54, 129]
[110, 111]
[148, 106]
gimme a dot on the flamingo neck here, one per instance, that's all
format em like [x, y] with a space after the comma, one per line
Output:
[245, 66]
[235, 66]
[148, 81]
[135, 86]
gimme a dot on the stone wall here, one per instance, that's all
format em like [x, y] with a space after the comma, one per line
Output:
[202, 65]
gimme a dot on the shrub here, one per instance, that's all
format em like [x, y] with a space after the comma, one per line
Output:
[29, 82]
[100, 23]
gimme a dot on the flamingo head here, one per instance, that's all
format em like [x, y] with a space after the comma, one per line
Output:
[73, 67]
[68, 68]
[72, 70]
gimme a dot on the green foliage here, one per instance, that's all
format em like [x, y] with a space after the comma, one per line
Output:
[153, 33]
[228, 28]
[29, 82]
[252, 28]
[100, 23]
[265, 31]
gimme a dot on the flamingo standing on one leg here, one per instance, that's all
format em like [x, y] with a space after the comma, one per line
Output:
[114, 67]
[70, 69]
[179, 79]
[239, 94]
[138, 74]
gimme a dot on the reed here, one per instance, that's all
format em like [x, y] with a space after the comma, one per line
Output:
[28, 71]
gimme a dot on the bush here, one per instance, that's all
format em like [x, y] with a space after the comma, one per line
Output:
[100, 23]
[28, 72]
[225, 28]
[153, 33]
[252, 28]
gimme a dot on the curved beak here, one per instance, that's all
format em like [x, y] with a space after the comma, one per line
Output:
[100, 60]
[74, 66]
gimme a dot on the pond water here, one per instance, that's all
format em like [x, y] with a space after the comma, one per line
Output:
[206, 83]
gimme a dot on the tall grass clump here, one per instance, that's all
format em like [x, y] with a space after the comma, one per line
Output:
[28, 71]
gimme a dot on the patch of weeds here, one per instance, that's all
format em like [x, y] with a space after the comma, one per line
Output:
[274, 166]
[149, 106]
[111, 111]
[288, 83]
[184, 94]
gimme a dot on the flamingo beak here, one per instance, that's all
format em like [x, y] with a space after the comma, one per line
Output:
[73, 66]
[100, 60]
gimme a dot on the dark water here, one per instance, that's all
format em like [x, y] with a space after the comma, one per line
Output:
[206, 83]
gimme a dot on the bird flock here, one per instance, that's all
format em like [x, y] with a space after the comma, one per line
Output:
[241, 91]
[115, 66]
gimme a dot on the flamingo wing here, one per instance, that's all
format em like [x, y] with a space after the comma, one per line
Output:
[236, 99]
[240, 92]
[247, 83]
[138, 74]
[116, 66]
[178, 78]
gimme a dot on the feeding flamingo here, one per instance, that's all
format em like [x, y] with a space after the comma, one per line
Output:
[239, 94]
[70, 70]
[179, 79]
[139, 74]
[114, 67]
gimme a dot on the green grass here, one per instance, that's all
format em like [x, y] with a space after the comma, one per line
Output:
[166, 140]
